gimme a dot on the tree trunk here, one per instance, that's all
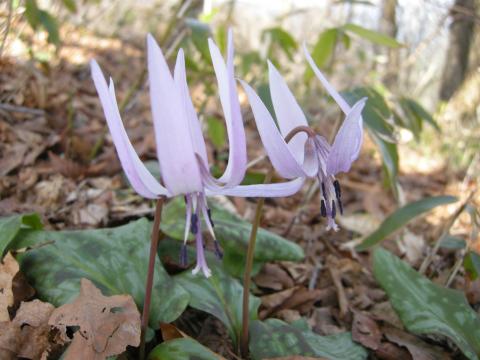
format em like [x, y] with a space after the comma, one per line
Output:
[461, 32]
[388, 26]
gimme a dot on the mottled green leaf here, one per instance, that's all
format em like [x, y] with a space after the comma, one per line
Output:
[233, 234]
[11, 225]
[472, 265]
[275, 338]
[372, 36]
[425, 307]
[220, 295]
[402, 216]
[181, 349]
[323, 50]
[114, 259]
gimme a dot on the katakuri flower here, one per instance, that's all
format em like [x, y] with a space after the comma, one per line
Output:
[296, 151]
[181, 147]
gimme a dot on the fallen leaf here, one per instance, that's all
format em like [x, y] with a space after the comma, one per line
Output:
[107, 324]
[8, 269]
[366, 331]
[274, 277]
[418, 348]
[29, 335]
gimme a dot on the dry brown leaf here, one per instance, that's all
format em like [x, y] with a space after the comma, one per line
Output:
[170, 332]
[419, 349]
[28, 335]
[107, 324]
[8, 269]
[274, 277]
[366, 331]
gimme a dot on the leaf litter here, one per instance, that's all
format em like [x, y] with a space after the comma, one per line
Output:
[58, 179]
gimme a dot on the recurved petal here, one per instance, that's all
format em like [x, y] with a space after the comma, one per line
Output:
[311, 160]
[331, 90]
[279, 153]
[288, 112]
[262, 190]
[139, 177]
[348, 141]
[174, 144]
[237, 157]
[194, 127]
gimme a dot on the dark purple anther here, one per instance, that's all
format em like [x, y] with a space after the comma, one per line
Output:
[324, 193]
[183, 256]
[218, 250]
[338, 191]
[194, 224]
[340, 206]
[209, 212]
[334, 210]
[323, 208]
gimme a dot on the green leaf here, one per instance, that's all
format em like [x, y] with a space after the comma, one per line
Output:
[233, 234]
[418, 112]
[216, 132]
[425, 307]
[471, 262]
[70, 5]
[402, 216]
[452, 242]
[200, 32]
[32, 13]
[181, 349]
[11, 225]
[114, 259]
[323, 50]
[281, 38]
[372, 36]
[274, 338]
[221, 38]
[263, 91]
[220, 295]
[376, 112]
[376, 115]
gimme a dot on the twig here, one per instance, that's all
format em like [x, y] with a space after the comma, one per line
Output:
[342, 297]
[248, 270]
[7, 26]
[21, 109]
[446, 228]
[150, 274]
[456, 268]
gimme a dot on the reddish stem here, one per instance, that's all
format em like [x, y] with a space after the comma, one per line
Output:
[150, 274]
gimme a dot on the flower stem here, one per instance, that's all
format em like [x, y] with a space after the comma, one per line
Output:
[248, 271]
[150, 273]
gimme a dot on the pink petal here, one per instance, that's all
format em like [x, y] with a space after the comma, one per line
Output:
[196, 134]
[174, 144]
[262, 190]
[348, 141]
[331, 90]
[288, 112]
[139, 177]
[237, 157]
[277, 149]
[310, 162]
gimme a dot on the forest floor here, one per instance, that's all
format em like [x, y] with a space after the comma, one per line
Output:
[50, 125]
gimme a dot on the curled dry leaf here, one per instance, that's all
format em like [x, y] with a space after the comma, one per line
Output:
[107, 324]
[14, 287]
[28, 335]
[8, 269]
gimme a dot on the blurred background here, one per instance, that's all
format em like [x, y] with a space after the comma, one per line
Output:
[417, 61]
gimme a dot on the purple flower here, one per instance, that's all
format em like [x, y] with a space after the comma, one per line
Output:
[180, 144]
[296, 151]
